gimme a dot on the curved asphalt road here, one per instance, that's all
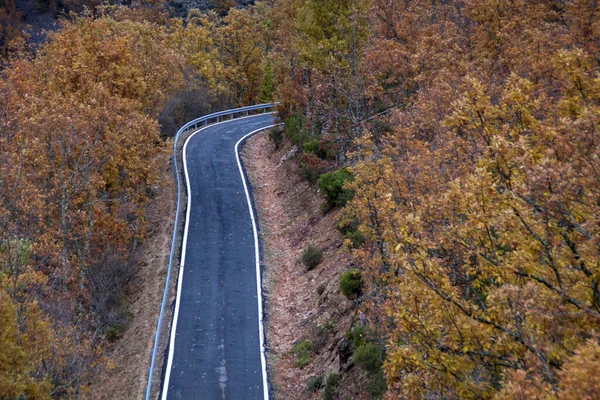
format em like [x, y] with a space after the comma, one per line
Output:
[217, 341]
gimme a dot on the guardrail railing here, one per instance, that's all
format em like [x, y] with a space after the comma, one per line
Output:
[194, 125]
[216, 117]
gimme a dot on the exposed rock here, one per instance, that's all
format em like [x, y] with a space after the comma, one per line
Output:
[288, 155]
[345, 351]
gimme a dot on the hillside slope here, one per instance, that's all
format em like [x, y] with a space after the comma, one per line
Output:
[300, 305]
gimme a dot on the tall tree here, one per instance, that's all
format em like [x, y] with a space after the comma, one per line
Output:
[241, 41]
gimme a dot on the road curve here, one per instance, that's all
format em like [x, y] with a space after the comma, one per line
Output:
[215, 348]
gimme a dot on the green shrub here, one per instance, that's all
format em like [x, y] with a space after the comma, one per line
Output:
[368, 357]
[302, 351]
[266, 87]
[356, 239]
[351, 283]
[117, 326]
[331, 384]
[327, 151]
[114, 332]
[332, 187]
[312, 257]
[276, 136]
[357, 336]
[320, 335]
[126, 313]
[347, 225]
[294, 129]
[315, 384]
[311, 146]
[377, 386]
[302, 348]
[302, 362]
[308, 173]
[314, 146]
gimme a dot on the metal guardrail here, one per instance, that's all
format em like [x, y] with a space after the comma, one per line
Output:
[203, 121]
[194, 124]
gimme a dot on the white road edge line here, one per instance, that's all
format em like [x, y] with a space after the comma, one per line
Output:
[263, 359]
[165, 390]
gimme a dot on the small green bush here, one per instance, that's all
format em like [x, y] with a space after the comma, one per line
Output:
[116, 329]
[357, 336]
[302, 362]
[315, 384]
[356, 239]
[308, 173]
[302, 348]
[276, 136]
[311, 146]
[312, 167]
[368, 357]
[331, 385]
[347, 225]
[351, 283]
[266, 87]
[294, 129]
[312, 257]
[302, 351]
[315, 146]
[114, 332]
[332, 187]
[377, 386]
[126, 313]
[320, 335]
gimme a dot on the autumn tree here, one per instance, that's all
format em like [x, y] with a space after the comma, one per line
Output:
[479, 208]
[241, 42]
[79, 150]
[12, 29]
[328, 40]
[25, 334]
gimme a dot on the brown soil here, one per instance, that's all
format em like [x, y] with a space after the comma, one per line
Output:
[129, 357]
[299, 304]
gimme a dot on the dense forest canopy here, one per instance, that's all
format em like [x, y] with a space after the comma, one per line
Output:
[471, 131]
[467, 132]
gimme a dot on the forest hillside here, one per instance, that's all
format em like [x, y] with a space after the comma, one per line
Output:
[466, 133]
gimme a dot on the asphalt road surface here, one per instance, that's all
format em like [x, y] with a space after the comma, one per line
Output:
[217, 341]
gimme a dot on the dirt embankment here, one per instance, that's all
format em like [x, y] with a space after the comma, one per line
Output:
[300, 305]
[129, 357]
